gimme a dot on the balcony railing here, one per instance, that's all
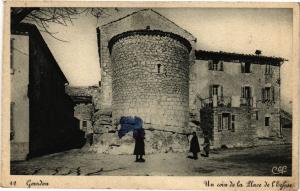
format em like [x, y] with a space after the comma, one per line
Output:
[222, 101]
[216, 101]
[246, 101]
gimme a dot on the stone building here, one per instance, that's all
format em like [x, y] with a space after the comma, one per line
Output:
[42, 115]
[144, 60]
[238, 97]
[150, 69]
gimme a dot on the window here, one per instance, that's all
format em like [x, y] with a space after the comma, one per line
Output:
[224, 121]
[268, 69]
[246, 96]
[84, 123]
[246, 92]
[268, 94]
[158, 68]
[246, 67]
[256, 115]
[267, 121]
[216, 90]
[215, 65]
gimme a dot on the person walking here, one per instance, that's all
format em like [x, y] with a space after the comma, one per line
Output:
[139, 148]
[194, 147]
[206, 145]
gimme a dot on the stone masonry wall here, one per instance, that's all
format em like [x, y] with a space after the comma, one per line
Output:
[86, 91]
[244, 133]
[137, 21]
[84, 112]
[151, 80]
[103, 128]
[232, 79]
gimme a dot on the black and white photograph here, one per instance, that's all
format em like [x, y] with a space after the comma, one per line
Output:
[151, 91]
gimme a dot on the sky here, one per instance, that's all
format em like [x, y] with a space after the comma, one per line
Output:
[237, 30]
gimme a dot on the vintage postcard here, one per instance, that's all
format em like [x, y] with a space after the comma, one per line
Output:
[150, 95]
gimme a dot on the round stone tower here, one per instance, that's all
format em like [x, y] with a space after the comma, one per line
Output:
[150, 78]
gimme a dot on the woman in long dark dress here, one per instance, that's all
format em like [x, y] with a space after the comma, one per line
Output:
[194, 147]
[139, 148]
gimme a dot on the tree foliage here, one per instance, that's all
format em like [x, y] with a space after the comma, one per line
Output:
[44, 17]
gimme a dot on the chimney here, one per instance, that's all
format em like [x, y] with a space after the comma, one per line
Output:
[258, 52]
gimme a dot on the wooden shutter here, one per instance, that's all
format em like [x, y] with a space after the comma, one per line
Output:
[221, 91]
[263, 95]
[242, 92]
[210, 65]
[250, 92]
[273, 93]
[243, 67]
[219, 122]
[221, 66]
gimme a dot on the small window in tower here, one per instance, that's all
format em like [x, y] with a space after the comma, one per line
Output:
[158, 68]
[267, 121]
[256, 115]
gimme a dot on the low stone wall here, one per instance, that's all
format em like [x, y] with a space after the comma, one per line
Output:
[155, 142]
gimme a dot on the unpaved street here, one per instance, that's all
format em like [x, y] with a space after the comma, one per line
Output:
[256, 161]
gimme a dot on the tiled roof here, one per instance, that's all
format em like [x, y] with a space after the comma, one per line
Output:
[235, 57]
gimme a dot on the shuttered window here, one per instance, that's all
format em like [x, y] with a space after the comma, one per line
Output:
[246, 92]
[226, 122]
[268, 94]
[215, 65]
[215, 90]
[268, 69]
[246, 67]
